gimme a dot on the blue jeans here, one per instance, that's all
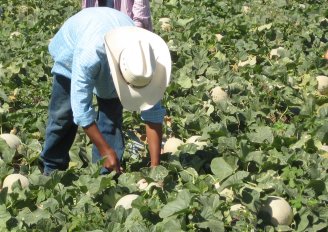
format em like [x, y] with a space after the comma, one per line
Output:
[61, 129]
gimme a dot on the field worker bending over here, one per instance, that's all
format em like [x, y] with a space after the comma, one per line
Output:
[100, 51]
[138, 10]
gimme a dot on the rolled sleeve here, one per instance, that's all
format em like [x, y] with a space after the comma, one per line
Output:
[86, 66]
[155, 114]
[86, 118]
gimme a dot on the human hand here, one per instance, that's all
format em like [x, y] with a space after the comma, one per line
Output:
[111, 161]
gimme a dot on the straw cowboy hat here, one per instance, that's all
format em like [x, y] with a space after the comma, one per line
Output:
[140, 65]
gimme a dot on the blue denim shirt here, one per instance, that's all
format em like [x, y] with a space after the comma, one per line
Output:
[78, 52]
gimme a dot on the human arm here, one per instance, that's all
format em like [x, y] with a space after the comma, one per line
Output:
[85, 71]
[154, 138]
[153, 119]
[111, 161]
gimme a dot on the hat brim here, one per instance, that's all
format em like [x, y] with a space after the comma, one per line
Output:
[134, 98]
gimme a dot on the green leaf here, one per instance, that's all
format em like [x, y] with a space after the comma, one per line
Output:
[256, 156]
[184, 81]
[213, 225]
[158, 173]
[261, 134]
[323, 111]
[168, 225]
[304, 222]
[6, 153]
[134, 222]
[234, 180]
[184, 22]
[4, 216]
[302, 142]
[221, 169]
[318, 186]
[177, 206]
[189, 175]
[3, 96]
[31, 218]
[129, 181]
[51, 204]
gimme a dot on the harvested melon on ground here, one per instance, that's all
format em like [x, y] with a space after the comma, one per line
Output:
[322, 84]
[126, 201]
[172, 144]
[277, 52]
[12, 178]
[237, 207]
[195, 140]
[219, 37]
[218, 94]
[277, 211]
[142, 184]
[12, 140]
[165, 24]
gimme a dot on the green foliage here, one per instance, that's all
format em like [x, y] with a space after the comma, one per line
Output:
[266, 139]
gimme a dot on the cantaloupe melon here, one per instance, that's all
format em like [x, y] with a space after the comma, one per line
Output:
[172, 144]
[165, 24]
[277, 52]
[219, 37]
[142, 184]
[246, 9]
[277, 211]
[218, 94]
[12, 178]
[324, 148]
[12, 140]
[322, 84]
[195, 140]
[237, 207]
[126, 201]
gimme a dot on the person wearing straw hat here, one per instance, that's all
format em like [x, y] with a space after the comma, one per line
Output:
[100, 52]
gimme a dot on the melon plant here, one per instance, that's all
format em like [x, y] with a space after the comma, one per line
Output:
[195, 140]
[227, 193]
[12, 178]
[172, 144]
[218, 94]
[12, 140]
[277, 211]
[126, 201]
[322, 84]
